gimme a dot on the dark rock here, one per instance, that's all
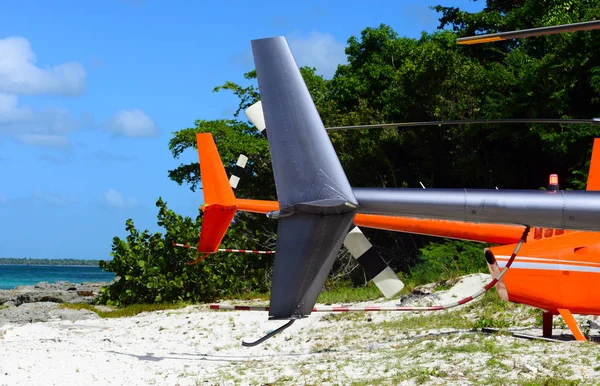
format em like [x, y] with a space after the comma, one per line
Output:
[426, 289]
[41, 312]
[4, 297]
[50, 298]
[59, 292]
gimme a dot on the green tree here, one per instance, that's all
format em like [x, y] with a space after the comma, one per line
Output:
[150, 270]
[555, 76]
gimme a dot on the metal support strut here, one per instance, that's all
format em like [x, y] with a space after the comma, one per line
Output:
[269, 335]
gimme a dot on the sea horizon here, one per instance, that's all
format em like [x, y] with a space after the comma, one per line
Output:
[15, 275]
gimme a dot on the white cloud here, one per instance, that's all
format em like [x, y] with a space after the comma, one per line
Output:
[51, 126]
[52, 198]
[131, 123]
[20, 75]
[47, 127]
[116, 200]
[319, 50]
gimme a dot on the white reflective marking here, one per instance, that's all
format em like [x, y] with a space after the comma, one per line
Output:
[503, 257]
[357, 243]
[233, 181]
[241, 162]
[551, 267]
[388, 282]
[256, 116]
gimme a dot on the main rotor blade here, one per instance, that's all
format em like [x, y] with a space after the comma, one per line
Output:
[255, 115]
[593, 121]
[583, 26]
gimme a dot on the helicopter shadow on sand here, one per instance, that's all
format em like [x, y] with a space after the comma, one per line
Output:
[369, 347]
[253, 357]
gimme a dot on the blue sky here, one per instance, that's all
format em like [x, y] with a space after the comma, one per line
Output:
[91, 91]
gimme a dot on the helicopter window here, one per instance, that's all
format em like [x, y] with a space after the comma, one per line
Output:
[537, 233]
[559, 232]
[548, 232]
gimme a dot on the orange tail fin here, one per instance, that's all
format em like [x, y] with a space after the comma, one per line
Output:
[593, 182]
[219, 200]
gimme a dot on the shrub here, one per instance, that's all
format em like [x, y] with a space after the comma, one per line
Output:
[448, 260]
[150, 269]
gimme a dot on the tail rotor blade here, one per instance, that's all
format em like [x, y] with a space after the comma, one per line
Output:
[371, 261]
[256, 116]
[234, 179]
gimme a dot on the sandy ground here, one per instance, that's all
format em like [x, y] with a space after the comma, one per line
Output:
[197, 346]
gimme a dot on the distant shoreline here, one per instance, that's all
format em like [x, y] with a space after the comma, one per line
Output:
[49, 262]
[52, 265]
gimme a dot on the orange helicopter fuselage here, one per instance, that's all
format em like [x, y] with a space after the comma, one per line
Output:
[554, 270]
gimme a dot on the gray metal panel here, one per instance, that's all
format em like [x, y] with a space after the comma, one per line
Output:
[316, 202]
[305, 165]
[307, 246]
[578, 210]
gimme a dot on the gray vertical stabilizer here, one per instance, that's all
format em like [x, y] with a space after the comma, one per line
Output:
[317, 205]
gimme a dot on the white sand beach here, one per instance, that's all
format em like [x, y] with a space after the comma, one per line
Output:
[197, 346]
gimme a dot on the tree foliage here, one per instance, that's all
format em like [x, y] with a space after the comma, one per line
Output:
[388, 78]
[150, 270]
[447, 260]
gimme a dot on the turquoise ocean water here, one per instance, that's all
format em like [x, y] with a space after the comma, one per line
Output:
[12, 276]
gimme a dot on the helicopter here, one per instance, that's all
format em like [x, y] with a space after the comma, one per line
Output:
[317, 206]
